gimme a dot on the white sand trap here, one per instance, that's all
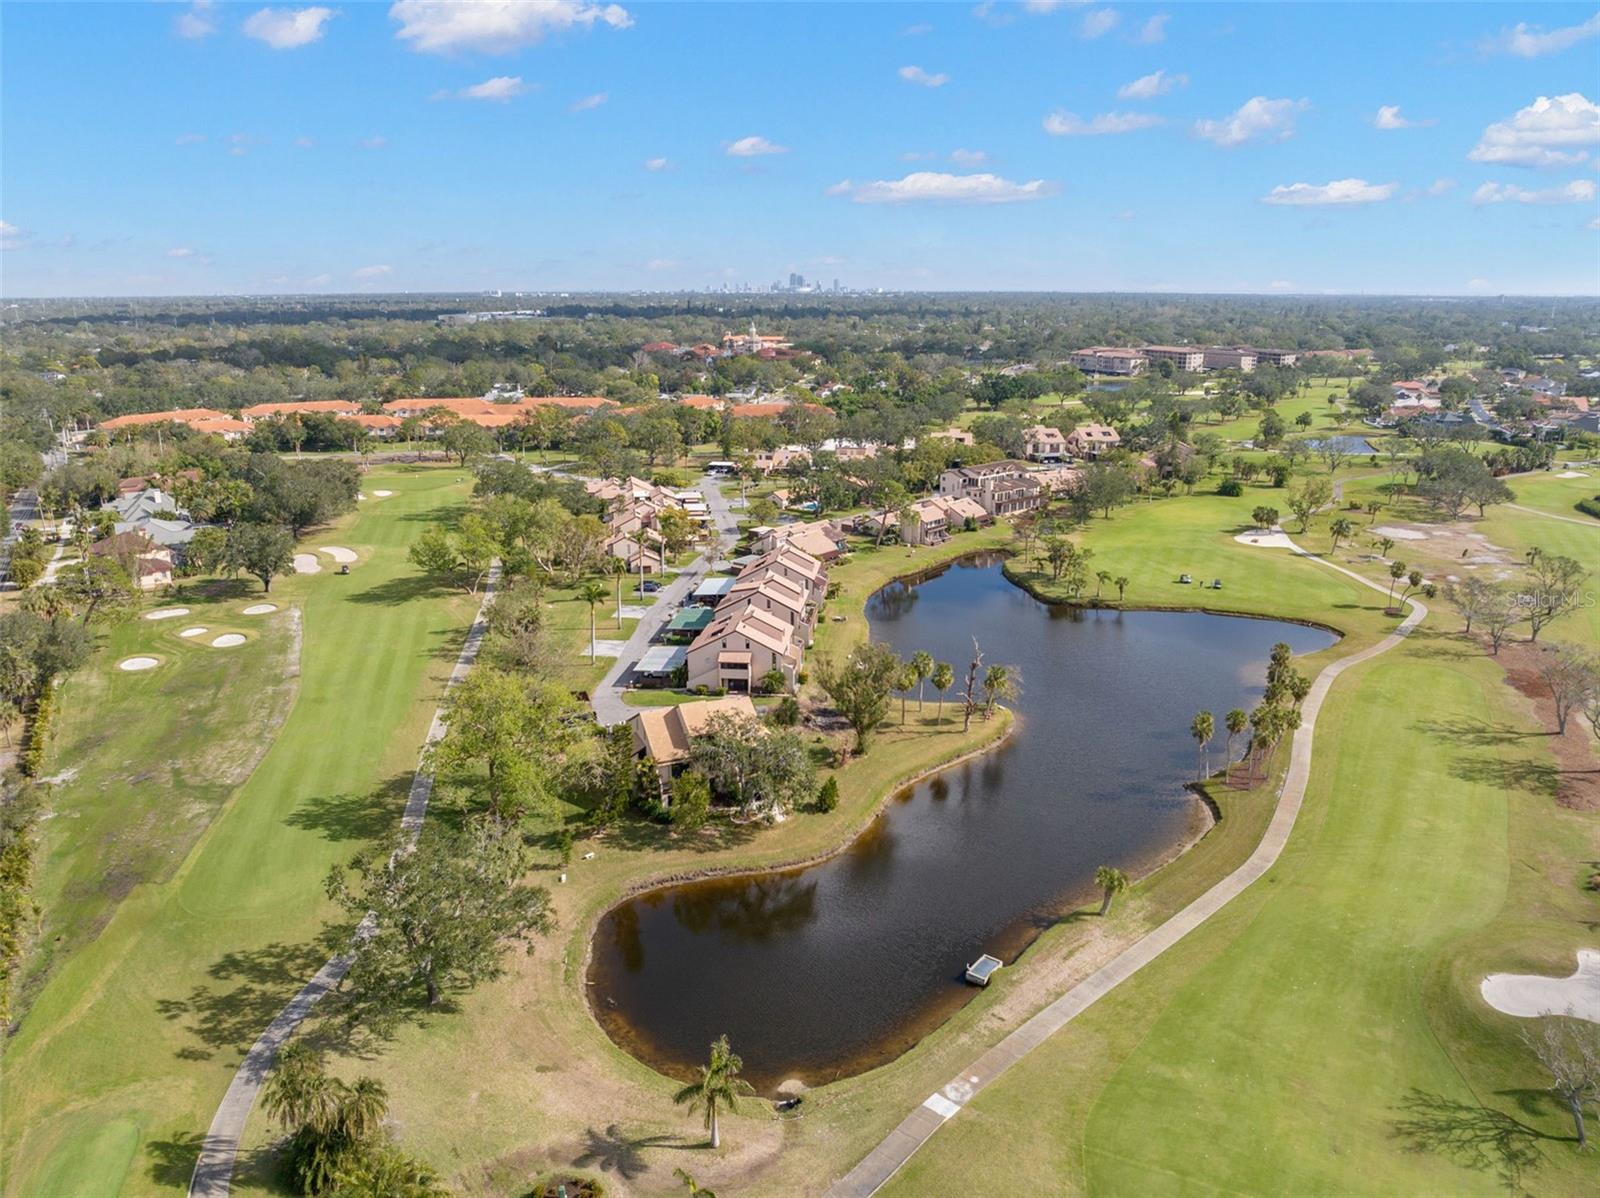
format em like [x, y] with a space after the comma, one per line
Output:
[383, 494]
[339, 554]
[138, 663]
[1529, 996]
[1274, 538]
[191, 632]
[227, 640]
[307, 563]
[1398, 534]
[1572, 474]
[360, 495]
[260, 609]
[166, 613]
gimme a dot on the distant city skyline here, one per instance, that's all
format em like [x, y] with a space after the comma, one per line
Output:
[431, 146]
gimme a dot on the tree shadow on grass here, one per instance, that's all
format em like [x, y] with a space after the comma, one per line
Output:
[1475, 1137]
[611, 1151]
[1532, 777]
[398, 591]
[717, 835]
[252, 987]
[355, 816]
[1476, 733]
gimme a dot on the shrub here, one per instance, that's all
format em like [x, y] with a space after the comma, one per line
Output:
[1230, 487]
[691, 800]
[828, 795]
[787, 713]
[1590, 507]
[44, 711]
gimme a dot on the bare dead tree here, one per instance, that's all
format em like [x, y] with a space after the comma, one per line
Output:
[1569, 1051]
[971, 701]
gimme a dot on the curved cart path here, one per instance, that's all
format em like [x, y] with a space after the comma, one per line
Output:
[1533, 511]
[213, 1169]
[898, 1146]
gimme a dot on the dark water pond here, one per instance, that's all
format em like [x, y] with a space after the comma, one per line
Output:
[822, 972]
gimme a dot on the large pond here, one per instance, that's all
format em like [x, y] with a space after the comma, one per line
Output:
[821, 972]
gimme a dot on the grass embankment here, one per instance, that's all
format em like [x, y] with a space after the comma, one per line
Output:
[1324, 1033]
[119, 1063]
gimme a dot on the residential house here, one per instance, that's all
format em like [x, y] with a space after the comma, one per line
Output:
[175, 416]
[147, 563]
[665, 735]
[999, 488]
[1092, 440]
[740, 647]
[821, 539]
[1041, 443]
[298, 407]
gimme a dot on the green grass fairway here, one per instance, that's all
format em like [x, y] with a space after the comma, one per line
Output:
[1558, 496]
[119, 1062]
[1323, 1035]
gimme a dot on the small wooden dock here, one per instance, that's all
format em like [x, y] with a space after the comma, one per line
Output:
[981, 970]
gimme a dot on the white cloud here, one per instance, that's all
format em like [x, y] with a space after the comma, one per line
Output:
[842, 188]
[1256, 119]
[916, 30]
[1579, 191]
[197, 22]
[1552, 131]
[938, 187]
[496, 26]
[968, 157]
[1042, 8]
[661, 264]
[1593, 224]
[304, 143]
[1477, 284]
[657, 164]
[287, 28]
[11, 237]
[1155, 29]
[1530, 41]
[181, 251]
[1098, 22]
[588, 102]
[499, 89]
[1389, 117]
[918, 76]
[1069, 124]
[1441, 187]
[1340, 191]
[189, 139]
[372, 272]
[918, 155]
[1147, 87]
[753, 147]
[373, 143]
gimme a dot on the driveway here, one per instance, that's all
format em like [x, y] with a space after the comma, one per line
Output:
[607, 697]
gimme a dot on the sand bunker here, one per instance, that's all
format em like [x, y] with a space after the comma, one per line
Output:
[260, 609]
[338, 554]
[1399, 534]
[1274, 538]
[227, 640]
[1529, 996]
[307, 563]
[166, 613]
[1572, 474]
[191, 632]
[360, 495]
[383, 494]
[138, 663]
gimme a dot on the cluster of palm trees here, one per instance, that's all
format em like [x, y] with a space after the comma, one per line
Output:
[918, 670]
[1278, 713]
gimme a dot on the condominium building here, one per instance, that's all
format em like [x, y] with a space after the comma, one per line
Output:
[1183, 357]
[1106, 359]
[1221, 357]
[999, 488]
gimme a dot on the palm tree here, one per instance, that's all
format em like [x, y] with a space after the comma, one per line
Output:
[1111, 882]
[1202, 729]
[1121, 583]
[1340, 529]
[904, 681]
[1384, 544]
[592, 593]
[1101, 577]
[300, 1093]
[363, 1109]
[1236, 721]
[943, 678]
[719, 1086]
[999, 683]
[1373, 508]
[618, 569]
[922, 667]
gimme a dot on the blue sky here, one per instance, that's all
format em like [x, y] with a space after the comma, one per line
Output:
[163, 148]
